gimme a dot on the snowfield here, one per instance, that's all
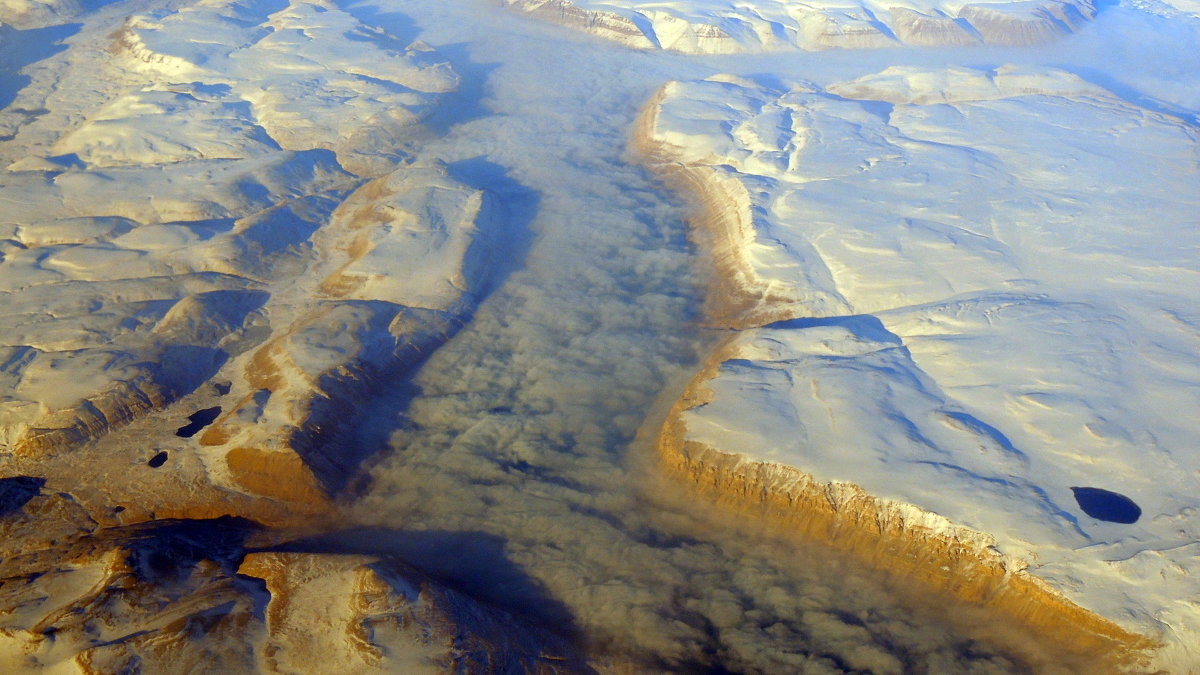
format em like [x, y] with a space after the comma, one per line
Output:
[975, 291]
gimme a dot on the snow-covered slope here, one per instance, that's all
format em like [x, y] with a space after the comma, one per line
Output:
[963, 294]
[311, 75]
[723, 27]
[401, 266]
[226, 200]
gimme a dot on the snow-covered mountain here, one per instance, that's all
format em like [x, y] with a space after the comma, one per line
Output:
[722, 27]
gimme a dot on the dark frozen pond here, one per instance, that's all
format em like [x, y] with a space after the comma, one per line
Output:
[16, 491]
[197, 421]
[1108, 506]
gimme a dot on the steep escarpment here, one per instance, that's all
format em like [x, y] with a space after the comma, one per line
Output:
[610, 25]
[725, 220]
[717, 27]
[922, 548]
[914, 373]
[404, 260]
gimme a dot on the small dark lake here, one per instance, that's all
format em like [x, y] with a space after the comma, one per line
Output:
[16, 491]
[197, 421]
[1105, 505]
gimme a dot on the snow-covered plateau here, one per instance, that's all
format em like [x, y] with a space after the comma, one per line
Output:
[721, 27]
[967, 293]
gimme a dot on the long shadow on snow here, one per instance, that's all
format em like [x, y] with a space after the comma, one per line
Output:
[402, 31]
[166, 551]
[864, 326]
[338, 449]
[514, 206]
[16, 491]
[465, 103]
[21, 48]
[459, 106]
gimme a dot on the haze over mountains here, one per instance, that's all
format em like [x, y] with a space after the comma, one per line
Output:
[368, 336]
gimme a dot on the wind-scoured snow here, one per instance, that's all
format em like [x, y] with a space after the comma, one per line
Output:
[987, 280]
[722, 27]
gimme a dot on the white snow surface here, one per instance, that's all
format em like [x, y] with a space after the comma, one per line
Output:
[724, 27]
[312, 75]
[1006, 279]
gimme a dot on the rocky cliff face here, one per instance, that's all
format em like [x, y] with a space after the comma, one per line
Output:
[404, 260]
[386, 616]
[610, 25]
[722, 221]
